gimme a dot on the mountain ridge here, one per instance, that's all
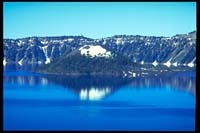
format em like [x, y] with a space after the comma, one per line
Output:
[194, 31]
[169, 51]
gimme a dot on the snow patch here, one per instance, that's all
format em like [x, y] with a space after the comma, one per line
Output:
[20, 62]
[44, 42]
[48, 60]
[119, 41]
[168, 63]
[104, 42]
[144, 73]
[19, 43]
[155, 63]
[30, 40]
[190, 43]
[44, 48]
[191, 64]
[129, 72]
[144, 69]
[134, 74]
[56, 41]
[4, 62]
[125, 74]
[94, 51]
[175, 64]
[70, 39]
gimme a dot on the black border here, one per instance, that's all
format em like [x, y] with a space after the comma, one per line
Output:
[197, 128]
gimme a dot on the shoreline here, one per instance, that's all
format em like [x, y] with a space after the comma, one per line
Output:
[130, 75]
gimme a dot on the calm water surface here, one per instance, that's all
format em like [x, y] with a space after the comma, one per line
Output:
[33, 101]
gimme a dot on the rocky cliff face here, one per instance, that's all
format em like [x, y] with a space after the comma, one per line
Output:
[179, 50]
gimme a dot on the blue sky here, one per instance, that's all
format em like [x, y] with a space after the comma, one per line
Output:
[97, 19]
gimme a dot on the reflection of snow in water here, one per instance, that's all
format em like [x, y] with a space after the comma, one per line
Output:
[20, 80]
[93, 93]
[44, 81]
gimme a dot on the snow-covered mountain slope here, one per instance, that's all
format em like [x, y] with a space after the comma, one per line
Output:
[178, 50]
[94, 51]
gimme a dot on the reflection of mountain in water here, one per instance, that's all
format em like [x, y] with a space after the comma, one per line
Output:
[90, 87]
[180, 83]
[94, 93]
[95, 88]
[86, 82]
[22, 80]
[185, 82]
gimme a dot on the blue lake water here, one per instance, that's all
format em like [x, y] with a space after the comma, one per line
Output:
[33, 101]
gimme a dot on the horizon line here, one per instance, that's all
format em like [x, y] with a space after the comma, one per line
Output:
[81, 35]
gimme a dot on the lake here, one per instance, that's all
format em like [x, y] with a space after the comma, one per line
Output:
[33, 101]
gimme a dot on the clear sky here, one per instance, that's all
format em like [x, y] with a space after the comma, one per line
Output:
[97, 19]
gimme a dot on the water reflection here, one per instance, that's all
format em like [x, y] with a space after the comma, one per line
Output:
[186, 83]
[102, 100]
[96, 88]
[94, 93]
[26, 80]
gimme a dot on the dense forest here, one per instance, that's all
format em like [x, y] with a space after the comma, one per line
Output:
[78, 64]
